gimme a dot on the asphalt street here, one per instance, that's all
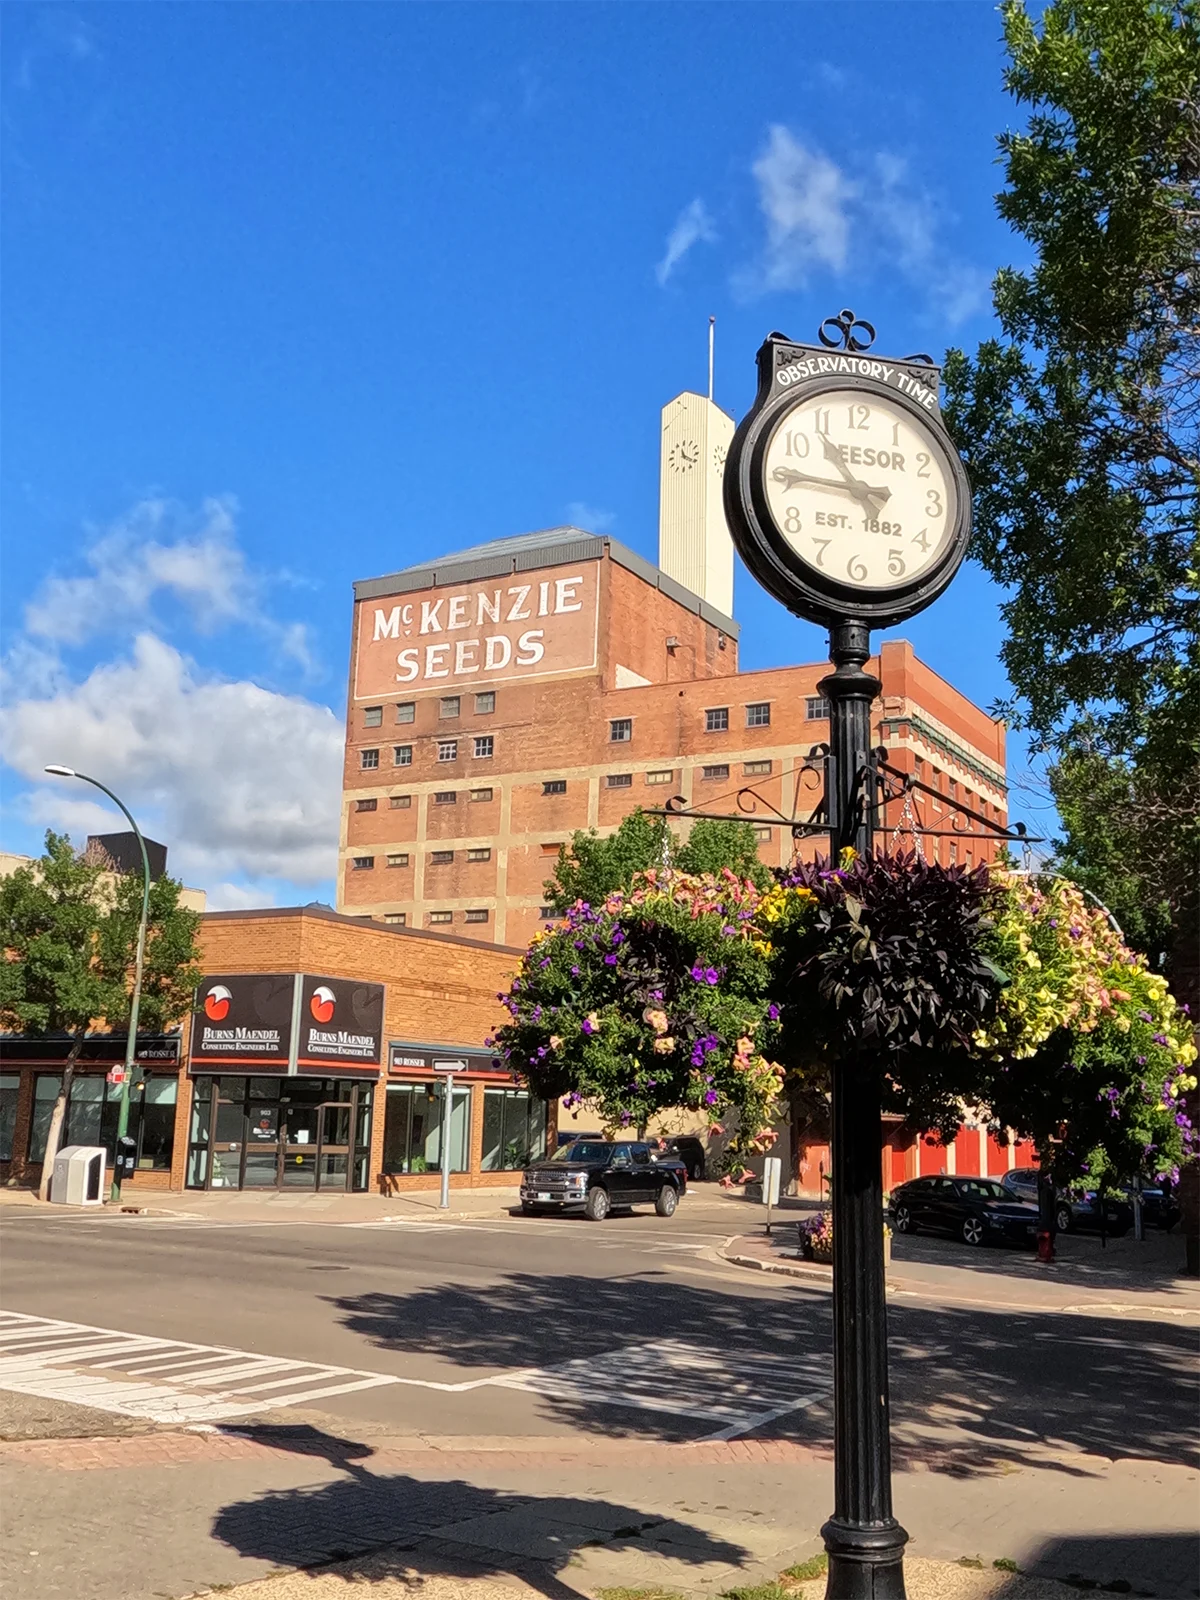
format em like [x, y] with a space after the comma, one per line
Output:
[515, 1327]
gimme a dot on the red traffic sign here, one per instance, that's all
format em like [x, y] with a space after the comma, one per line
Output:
[116, 1075]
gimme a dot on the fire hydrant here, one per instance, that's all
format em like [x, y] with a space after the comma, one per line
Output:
[1045, 1244]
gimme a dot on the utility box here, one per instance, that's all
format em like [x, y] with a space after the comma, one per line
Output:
[78, 1177]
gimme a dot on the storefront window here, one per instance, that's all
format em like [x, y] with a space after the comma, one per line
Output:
[157, 1142]
[514, 1129]
[413, 1127]
[10, 1084]
[95, 1106]
[45, 1092]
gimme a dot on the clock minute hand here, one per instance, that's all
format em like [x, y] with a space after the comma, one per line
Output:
[862, 491]
[788, 477]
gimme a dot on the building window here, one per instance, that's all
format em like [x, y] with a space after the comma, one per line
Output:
[481, 853]
[758, 715]
[756, 769]
[620, 730]
[476, 916]
[485, 703]
[441, 858]
[369, 759]
[716, 720]
[373, 717]
[363, 863]
[714, 774]
[400, 802]
[45, 1092]
[406, 711]
[552, 849]
[438, 919]
[619, 780]
[953, 789]
[402, 755]
[480, 794]
[398, 860]
[763, 834]
[555, 786]
[547, 913]
[514, 1130]
[92, 1116]
[449, 705]
[919, 767]
[445, 797]
[397, 919]
[10, 1084]
[816, 708]
[366, 805]
[412, 1127]
[659, 777]
[447, 749]
[484, 746]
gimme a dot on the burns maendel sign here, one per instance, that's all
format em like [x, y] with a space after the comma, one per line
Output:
[524, 625]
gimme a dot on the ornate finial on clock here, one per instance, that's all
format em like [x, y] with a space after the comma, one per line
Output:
[844, 332]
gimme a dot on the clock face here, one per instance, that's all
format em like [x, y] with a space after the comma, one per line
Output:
[719, 454]
[861, 489]
[684, 455]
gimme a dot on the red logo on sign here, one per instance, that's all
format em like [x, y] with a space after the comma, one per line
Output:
[321, 1004]
[216, 1003]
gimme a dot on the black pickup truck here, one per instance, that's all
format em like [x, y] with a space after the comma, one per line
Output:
[598, 1178]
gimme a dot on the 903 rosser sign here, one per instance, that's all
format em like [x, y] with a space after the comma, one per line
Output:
[843, 492]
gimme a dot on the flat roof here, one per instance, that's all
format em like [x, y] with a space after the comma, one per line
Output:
[318, 909]
[525, 552]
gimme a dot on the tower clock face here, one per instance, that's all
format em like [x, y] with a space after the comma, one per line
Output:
[684, 455]
[861, 489]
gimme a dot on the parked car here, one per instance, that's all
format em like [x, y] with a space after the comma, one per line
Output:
[690, 1151]
[569, 1137]
[598, 1178]
[1074, 1209]
[978, 1210]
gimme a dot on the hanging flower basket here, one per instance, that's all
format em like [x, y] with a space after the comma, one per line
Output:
[816, 1237]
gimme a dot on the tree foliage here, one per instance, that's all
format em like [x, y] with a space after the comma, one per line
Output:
[592, 867]
[1079, 425]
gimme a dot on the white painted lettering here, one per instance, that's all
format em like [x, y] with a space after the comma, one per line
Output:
[458, 617]
[436, 653]
[387, 624]
[564, 591]
[461, 664]
[406, 617]
[409, 663]
[487, 608]
[531, 642]
[497, 652]
[543, 598]
[431, 621]
[515, 614]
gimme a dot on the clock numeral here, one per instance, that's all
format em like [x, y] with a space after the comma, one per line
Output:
[791, 519]
[895, 433]
[822, 545]
[923, 469]
[858, 416]
[896, 563]
[921, 538]
[821, 416]
[856, 568]
[797, 444]
[933, 503]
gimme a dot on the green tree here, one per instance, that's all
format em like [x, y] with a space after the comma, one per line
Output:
[592, 867]
[1079, 424]
[69, 931]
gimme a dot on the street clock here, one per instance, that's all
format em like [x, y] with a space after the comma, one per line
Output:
[843, 491]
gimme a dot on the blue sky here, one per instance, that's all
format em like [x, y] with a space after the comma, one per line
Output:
[296, 294]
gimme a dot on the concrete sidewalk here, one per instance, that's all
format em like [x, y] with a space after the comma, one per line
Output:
[168, 1515]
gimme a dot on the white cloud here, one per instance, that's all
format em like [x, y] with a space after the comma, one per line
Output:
[592, 518]
[238, 780]
[820, 217]
[692, 225]
[159, 550]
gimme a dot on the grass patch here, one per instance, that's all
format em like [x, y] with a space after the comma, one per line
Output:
[1005, 1564]
[971, 1561]
[652, 1593]
[805, 1571]
[759, 1591]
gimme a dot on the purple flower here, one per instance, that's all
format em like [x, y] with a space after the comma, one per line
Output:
[610, 961]
[617, 936]
[1145, 1016]
[710, 1098]
[773, 1012]
[698, 973]
[574, 972]
[1161, 1038]
[536, 1014]
[587, 1025]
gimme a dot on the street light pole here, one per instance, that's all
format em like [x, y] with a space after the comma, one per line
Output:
[864, 1541]
[135, 1003]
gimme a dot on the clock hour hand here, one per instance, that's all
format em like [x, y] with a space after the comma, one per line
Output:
[862, 491]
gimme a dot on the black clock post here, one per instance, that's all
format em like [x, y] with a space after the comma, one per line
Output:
[848, 552]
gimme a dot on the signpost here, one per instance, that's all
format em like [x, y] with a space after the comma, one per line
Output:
[847, 501]
[447, 1069]
[772, 1171]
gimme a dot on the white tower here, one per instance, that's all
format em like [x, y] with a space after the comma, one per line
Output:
[694, 546]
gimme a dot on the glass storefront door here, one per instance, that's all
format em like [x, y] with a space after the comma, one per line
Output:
[279, 1133]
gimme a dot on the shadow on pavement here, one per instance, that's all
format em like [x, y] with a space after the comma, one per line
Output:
[1158, 1564]
[973, 1389]
[372, 1523]
[1154, 1263]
